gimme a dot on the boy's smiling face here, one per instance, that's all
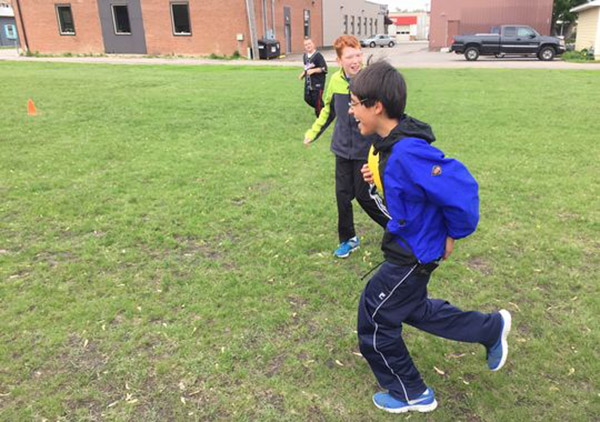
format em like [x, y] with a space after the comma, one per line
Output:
[309, 46]
[367, 117]
[350, 60]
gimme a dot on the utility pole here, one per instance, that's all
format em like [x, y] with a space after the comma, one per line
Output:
[252, 26]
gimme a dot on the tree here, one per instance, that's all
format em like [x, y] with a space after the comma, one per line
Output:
[561, 11]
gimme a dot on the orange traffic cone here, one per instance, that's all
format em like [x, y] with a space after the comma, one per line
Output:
[31, 108]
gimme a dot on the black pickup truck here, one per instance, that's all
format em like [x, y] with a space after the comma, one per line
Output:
[504, 40]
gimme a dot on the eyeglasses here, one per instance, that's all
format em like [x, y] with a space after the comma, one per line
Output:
[353, 104]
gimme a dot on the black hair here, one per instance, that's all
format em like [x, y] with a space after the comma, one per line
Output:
[381, 82]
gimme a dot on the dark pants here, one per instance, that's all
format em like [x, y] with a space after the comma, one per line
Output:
[396, 295]
[349, 184]
[314, 98]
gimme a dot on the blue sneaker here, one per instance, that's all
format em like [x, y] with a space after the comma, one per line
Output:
[345, 248]
[424, 403]
[497, 354]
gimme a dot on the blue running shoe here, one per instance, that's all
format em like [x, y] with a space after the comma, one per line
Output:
[497, 354]
[345, 248]
[424, 403]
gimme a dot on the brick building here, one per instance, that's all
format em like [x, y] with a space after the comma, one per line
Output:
[457, 17]
[190, 27]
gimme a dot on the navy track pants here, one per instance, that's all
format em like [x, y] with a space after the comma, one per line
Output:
[396, 295]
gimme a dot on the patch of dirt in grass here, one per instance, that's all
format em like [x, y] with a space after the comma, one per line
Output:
[211, 250]
[94, 408]
[524, 329]
[274, 366]
[238, 201]
[480, 264]
[82, 354]
[193, 246]
[158, 345]
[54, 258]
[118, 319]
[316, 414]
[297, 301]
[261, 187]
[565, 216]
[302, 356]
[271, 398]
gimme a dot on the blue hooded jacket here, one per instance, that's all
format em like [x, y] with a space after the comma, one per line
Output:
[428, 196]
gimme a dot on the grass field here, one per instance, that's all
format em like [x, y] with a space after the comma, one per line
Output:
[165, 248]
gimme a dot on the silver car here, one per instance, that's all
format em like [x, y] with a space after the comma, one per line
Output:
[378, 40]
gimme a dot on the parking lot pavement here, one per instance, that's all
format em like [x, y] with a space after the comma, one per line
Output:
[416, 54]
[409, 54]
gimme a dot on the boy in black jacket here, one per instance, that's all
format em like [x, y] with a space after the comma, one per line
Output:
[315, 69]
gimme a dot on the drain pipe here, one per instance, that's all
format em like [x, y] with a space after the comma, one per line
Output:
[273, 18]
[252, 26]
[22, 26]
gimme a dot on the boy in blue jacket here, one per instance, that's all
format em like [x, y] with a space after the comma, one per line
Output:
[432, 201]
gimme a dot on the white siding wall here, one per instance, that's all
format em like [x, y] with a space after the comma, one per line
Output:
[587, 29]
[597, 44]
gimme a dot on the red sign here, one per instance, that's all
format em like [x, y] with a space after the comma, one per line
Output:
[404, 20]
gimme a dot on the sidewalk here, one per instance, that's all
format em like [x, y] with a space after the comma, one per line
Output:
[403, 55]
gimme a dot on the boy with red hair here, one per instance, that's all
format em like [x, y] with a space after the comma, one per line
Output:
[349, 146]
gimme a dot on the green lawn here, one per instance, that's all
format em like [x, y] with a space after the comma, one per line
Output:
[165, 247]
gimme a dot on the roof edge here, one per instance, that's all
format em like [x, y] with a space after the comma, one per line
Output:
[586, 6]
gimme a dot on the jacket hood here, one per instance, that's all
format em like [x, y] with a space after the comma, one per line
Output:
[409, 127]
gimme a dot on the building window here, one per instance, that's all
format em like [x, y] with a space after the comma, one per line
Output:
[180, 12]
[307, 23]
[10, 31]
[121, 20]
[66, 26]
[371, 25]
[365, 23]
[359, 25]
[376, 26]
[352, 24]
[345, 24]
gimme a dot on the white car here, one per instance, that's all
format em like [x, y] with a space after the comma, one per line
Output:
[378, 40]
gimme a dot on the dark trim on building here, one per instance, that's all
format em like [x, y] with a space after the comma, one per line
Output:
[22, 25]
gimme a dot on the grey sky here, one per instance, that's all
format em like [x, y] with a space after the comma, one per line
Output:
[404, 4]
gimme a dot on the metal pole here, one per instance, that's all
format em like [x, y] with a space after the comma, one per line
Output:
[252, 26]
[273, 18]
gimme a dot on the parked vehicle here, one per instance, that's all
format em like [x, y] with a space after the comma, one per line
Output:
[380, 40]
[507, 40]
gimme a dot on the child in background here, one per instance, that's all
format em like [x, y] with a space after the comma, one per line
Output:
[348, 145]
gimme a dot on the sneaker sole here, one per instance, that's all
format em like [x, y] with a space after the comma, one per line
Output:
[507, 318]
[347, 255]
[423, 408]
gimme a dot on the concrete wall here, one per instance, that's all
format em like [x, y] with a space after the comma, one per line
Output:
[333, 18]
[456, 17]
[587, 29]
[214, 29]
